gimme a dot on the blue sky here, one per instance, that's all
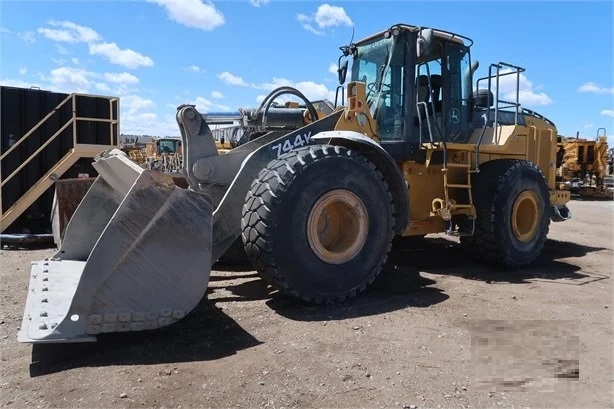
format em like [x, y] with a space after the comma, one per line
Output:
[222, 55]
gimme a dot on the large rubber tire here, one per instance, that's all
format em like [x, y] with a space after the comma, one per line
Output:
[275, 223]
[499, 185]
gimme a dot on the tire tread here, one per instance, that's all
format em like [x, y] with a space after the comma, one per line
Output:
[484, 244]
[259, 220]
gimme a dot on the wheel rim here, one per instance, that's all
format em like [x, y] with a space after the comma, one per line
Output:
[337, 226]
[525, 216]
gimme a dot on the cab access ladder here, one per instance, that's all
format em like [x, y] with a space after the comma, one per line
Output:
[449, 206]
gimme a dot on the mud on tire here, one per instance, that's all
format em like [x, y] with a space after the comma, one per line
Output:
[275, 228]
[513, 213]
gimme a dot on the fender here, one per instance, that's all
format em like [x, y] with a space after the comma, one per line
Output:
[384, 162]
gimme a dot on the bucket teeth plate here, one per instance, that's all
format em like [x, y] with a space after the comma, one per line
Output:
[136, 255]
[51, 290]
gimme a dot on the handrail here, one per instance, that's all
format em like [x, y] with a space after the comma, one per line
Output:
[36, 152]
[33, 192]
[72, 121]
[498, 103]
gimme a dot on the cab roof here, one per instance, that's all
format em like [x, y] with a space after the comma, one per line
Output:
[438, 33]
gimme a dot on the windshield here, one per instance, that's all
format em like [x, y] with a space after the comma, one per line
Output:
[167, 146]
[370, 64]
[380, 64]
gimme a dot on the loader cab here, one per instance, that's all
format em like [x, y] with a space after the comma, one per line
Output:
[419, 84]
[168, 145]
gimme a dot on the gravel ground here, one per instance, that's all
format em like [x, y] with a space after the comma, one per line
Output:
[435, 330]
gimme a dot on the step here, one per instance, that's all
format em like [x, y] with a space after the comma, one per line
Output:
[461, 206]
[457, 186]
[459, 165]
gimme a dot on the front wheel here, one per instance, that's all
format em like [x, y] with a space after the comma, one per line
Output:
[318, 223]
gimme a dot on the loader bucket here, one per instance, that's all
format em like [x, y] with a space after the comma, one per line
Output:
[136, 255]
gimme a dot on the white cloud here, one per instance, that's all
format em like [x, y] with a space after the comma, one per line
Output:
[595, 89]
[326, 16]
[258, 3]
[587, 126]
[528, 94]
[75, 60]
[126, 57]
[28, 36]
[121, 78]
[149, 123]
[61, 49]
[608, 112]
[216, 94]
[192, 13]
[332, 68]
[8, 82]
[330, 16]
[23, 70]
[231, 79]
[70, 79]
[304, 20]
[135, 103]
[312, 90]
[204, 105]
[138, 114]
[100, 86]
[276, 83]
[69, 32]
[193, 68]
[140, 123]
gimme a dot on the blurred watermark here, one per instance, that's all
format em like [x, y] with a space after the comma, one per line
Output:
[525, 355]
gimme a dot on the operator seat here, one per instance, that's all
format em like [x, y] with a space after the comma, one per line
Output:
[422, 95]
[434, 104]
[436, 85]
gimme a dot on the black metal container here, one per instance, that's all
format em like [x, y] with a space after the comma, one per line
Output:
[21, 110]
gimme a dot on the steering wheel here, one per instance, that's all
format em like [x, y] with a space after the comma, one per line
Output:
[386, 88]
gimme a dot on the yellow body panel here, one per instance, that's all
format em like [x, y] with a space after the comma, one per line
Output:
[536, 142]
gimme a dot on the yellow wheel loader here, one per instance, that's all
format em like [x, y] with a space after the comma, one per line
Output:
[583, 166]
[315, 197]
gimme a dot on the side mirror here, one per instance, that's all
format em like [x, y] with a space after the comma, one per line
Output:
[424, 42]
[342, 72]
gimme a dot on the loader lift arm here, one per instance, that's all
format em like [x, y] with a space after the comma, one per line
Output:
[227, 179]
[131, 214]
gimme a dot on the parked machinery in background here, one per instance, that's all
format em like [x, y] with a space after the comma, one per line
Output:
[584, 166]
[164, 154]
[134, 149]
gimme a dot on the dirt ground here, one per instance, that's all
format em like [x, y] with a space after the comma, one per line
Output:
[435, 330]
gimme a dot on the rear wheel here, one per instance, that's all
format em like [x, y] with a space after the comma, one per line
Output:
[318, 223]
[513, 213]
